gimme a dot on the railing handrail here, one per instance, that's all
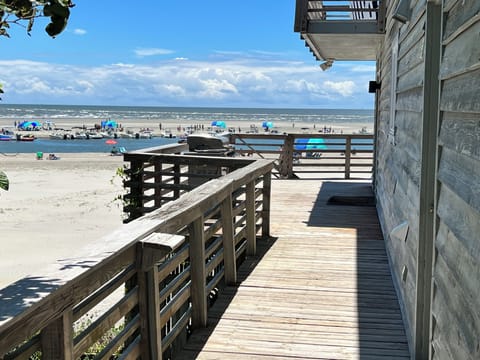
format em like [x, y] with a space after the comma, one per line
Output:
[284, 146]
[371, 11]
[71, 283]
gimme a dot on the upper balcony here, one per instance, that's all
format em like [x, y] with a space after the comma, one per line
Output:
[341, 30]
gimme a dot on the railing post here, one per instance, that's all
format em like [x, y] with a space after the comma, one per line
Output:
[286, 157]
[266, 195]
[198, 274]
[149, 306]
[176, 180]
[149, 251]
[229, 257]
[348, 154]
[251, 219]
[136, 190]
[57, 338]
[158, 183]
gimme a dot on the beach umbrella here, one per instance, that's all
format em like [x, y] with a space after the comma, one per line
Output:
[220, 124]
[30, 124]
[267, 124]
[110, 142]
[310, 144]
[110, 124]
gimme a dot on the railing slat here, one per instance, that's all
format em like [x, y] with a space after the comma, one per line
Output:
[228, 238]
[57, 338]
[198, 273]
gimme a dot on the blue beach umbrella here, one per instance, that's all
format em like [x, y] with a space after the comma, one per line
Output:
[110, 124]
[220, 124]
[29, 124]
[310, 144]
[267, 124]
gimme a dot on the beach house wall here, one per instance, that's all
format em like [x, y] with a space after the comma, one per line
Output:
[427, 176]
[427, 169]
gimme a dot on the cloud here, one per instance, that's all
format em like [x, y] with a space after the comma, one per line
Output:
[344, 88]
[235, 82]
[79, 31]
[143, 52]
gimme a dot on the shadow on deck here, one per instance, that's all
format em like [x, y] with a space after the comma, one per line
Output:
[321, 288]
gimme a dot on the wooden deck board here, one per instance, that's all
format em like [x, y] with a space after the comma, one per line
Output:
[319, 288]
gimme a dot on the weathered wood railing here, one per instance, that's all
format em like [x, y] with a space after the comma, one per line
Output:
[348, 154]
[156, 177]
[170, 261]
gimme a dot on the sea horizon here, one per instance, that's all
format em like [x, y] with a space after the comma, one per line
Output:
[189, 114]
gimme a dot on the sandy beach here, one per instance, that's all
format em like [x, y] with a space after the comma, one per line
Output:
[54, 208]
[179, 127]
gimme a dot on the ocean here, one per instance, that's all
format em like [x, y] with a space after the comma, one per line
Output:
[11, 113]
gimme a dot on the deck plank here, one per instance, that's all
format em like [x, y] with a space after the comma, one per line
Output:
[320, 288]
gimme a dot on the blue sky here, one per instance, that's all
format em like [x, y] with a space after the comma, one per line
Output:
[177, 53]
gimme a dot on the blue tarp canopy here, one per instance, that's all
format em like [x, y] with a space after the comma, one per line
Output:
[220, 124]
[267, 124]
[310, 144]
[29, 124]
[109, 124]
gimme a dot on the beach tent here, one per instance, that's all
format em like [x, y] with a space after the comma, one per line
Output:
[109, 124]
[220, 124]
[310, 144]
[267, 124]
[29, 125]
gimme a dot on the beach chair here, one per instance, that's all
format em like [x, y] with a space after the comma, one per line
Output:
[39, 155]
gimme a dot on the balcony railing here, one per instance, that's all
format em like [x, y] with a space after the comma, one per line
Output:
[341, 30]
[323, 155]
[141, 290]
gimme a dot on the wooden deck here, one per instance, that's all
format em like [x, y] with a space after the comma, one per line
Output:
[319, 288]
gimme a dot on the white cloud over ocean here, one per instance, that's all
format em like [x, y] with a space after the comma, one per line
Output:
[142, 52]
[243, 82]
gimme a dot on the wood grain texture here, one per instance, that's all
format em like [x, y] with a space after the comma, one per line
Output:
[320, 288]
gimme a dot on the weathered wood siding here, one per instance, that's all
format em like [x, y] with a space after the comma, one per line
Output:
[456, 295]
[454, 315]
[399, 150]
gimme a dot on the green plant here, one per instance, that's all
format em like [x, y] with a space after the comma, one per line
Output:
[103, 341]
[4, 184]
[19, 11]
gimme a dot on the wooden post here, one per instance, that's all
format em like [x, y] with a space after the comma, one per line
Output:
[198, 274]
[428, 182]
[57, 338]
[348, 155]
[149, 306]
[176, 180]
[158, 182]
[149, 251]
[250, 218]
[136, 190]
[229, 257]
[266, 194]
[288, 151]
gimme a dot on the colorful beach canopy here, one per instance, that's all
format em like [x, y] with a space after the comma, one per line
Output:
[109, 124]
[267, 124]
[29, 124]
[220, 124]
[310, 144]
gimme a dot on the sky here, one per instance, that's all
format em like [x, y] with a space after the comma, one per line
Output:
[211, 53]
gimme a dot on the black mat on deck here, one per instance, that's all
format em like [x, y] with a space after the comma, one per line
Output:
[351, 200]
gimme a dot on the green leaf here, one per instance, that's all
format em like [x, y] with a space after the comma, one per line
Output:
[3, 181]
[56, 26]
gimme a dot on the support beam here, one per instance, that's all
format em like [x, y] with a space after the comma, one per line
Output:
[428, 181]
